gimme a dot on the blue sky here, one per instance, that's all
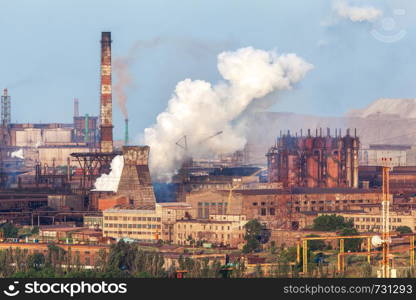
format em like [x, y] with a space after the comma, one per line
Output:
[50, 53]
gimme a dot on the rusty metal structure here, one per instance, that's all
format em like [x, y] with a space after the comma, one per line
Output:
[315, 161]
[106, 105]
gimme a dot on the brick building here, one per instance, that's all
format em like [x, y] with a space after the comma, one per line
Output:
[364, 221]
[88, 255]
[282, 208]
[147, 225]
[227, 230]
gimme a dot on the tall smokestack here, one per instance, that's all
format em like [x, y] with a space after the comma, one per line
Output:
[76, 107]
[126, 133]
[106, 105]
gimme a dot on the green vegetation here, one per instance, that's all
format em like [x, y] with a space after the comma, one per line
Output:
[315, 244]
[124, 260]
[9, 230]
[404, 229]
[352, 245]
[331, 223]
[256, 233]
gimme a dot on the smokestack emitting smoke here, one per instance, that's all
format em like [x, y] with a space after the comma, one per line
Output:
[126, 132]
[197, 108]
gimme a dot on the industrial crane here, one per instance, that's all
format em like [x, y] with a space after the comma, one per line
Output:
[183, 141]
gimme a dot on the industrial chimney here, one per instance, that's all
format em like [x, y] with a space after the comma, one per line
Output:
[126, 132]
[76, 107]
[106, 105]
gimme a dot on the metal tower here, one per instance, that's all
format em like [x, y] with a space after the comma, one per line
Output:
[5, 109]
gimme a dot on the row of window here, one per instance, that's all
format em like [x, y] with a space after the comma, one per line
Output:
[149, 226]
[263, 211]
[322, 208]
[205, 227]
[129, 232]
[262, 203]
[186, 235]
[368, 227]
[212, 203]
[46, 250]
[315, 202]
[134, 219]
[378, 220]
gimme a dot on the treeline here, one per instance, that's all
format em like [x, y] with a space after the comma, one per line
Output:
[123, 261]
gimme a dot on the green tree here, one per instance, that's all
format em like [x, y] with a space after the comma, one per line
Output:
[331, 223]
[403, 229]
[35, 230]
[121, 258]
[36, 261]
[253, 235]
[314, 245]
[351, 244]
[9, 230]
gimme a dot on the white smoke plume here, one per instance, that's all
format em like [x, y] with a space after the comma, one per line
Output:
[109, 182]
[198, 109]
[356, 13]
[18, 154]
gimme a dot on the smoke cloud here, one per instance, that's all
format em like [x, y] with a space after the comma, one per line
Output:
[122, 64]
[109, 182]
[356, 13]
[124, 80]
[199, 109]
[18, 154]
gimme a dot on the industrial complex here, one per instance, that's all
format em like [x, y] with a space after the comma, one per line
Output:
[84, 192]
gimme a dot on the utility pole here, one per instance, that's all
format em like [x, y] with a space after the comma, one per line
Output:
[385, 269]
